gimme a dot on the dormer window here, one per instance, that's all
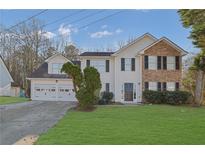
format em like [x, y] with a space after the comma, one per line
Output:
[56, 68]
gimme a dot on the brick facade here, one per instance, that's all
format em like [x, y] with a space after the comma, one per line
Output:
[161, 48]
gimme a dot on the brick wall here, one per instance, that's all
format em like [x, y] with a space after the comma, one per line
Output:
[161, 49]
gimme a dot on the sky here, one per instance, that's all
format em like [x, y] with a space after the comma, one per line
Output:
[89, 29]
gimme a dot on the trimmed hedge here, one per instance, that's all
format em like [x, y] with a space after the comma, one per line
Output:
[166, 97]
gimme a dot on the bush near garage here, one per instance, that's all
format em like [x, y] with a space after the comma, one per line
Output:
[86, 84]
[167, 97]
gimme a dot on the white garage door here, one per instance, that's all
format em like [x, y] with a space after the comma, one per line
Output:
[53, 92]
[66, 92]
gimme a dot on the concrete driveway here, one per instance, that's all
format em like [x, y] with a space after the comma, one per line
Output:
[35, 117]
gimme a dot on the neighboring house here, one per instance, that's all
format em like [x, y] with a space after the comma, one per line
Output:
[146, 63]
[5, 79]
[48, 83]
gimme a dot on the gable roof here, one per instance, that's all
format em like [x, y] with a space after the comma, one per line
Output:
[4, 65]
[53, 56]
[133, 42]
[42, 72]
[174, 45]
[96, 54]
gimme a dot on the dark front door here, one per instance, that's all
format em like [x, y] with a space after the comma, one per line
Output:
[128, 91]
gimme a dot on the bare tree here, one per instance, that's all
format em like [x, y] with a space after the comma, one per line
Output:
[71, 52]
[22, 49]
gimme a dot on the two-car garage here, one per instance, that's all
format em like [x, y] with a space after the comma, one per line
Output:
[53, 90]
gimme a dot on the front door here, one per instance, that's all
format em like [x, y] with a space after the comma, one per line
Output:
[128, 91]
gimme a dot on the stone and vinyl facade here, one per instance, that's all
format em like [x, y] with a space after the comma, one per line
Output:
[122, 72]
[163, 71]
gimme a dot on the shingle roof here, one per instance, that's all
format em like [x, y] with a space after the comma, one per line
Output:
[96, 54]
[42, 72]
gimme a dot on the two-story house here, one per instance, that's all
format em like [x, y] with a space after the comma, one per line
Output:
[146, 63]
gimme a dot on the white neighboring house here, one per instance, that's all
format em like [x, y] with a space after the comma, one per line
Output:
[48, 83]
[5, 79]
[145, 63]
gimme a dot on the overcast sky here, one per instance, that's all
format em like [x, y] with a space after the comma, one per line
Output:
[105, 32]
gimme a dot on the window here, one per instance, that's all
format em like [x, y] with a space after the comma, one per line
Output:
[177, 62]
[56, 68]
[122, 64]
[146, 85]
[87, 63]
[133, 64]
[171, 63]
[164, 62]
[164, 86]
[152, 62]
[159, 86]
[127, 64]
[152, 85]
[107, 87]
[107, 63]
[98, 64]
[159, 61]
[146, 62]
[170, 86]
[177, 86]
[37, 89]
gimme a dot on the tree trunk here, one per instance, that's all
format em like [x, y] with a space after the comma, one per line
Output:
[198, 99]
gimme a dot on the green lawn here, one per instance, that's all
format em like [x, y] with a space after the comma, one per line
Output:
[10, 100]
[149, 124]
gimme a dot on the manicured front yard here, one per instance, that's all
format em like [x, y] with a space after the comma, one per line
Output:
[150, 124]
[10, 100]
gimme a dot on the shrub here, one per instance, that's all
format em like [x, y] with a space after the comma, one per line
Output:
[155, 97]
[106, 98]
[166, 97]
[86, 84]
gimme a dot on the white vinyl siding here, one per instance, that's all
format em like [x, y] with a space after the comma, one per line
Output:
[171, 62]
[128, 64]
[170, 86]
[56, 68]
[152, 85]
[152, 62]
[98, 64]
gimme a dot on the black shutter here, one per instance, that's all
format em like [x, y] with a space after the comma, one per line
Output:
[146, 85]
[164, 86]
[177, 86]
[107, 65]
[133, 64]
[159, 87]
[159, 62]
[146, 62]
[107, 87]
[122, 64]
[164, 62]
[177, 62]
[88, 63]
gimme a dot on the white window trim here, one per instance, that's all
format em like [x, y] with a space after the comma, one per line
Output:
[170, 86]
[171, 63]
[57, 69]
[99, 65]
[152, 62]
[128, 64]
[153, 86]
